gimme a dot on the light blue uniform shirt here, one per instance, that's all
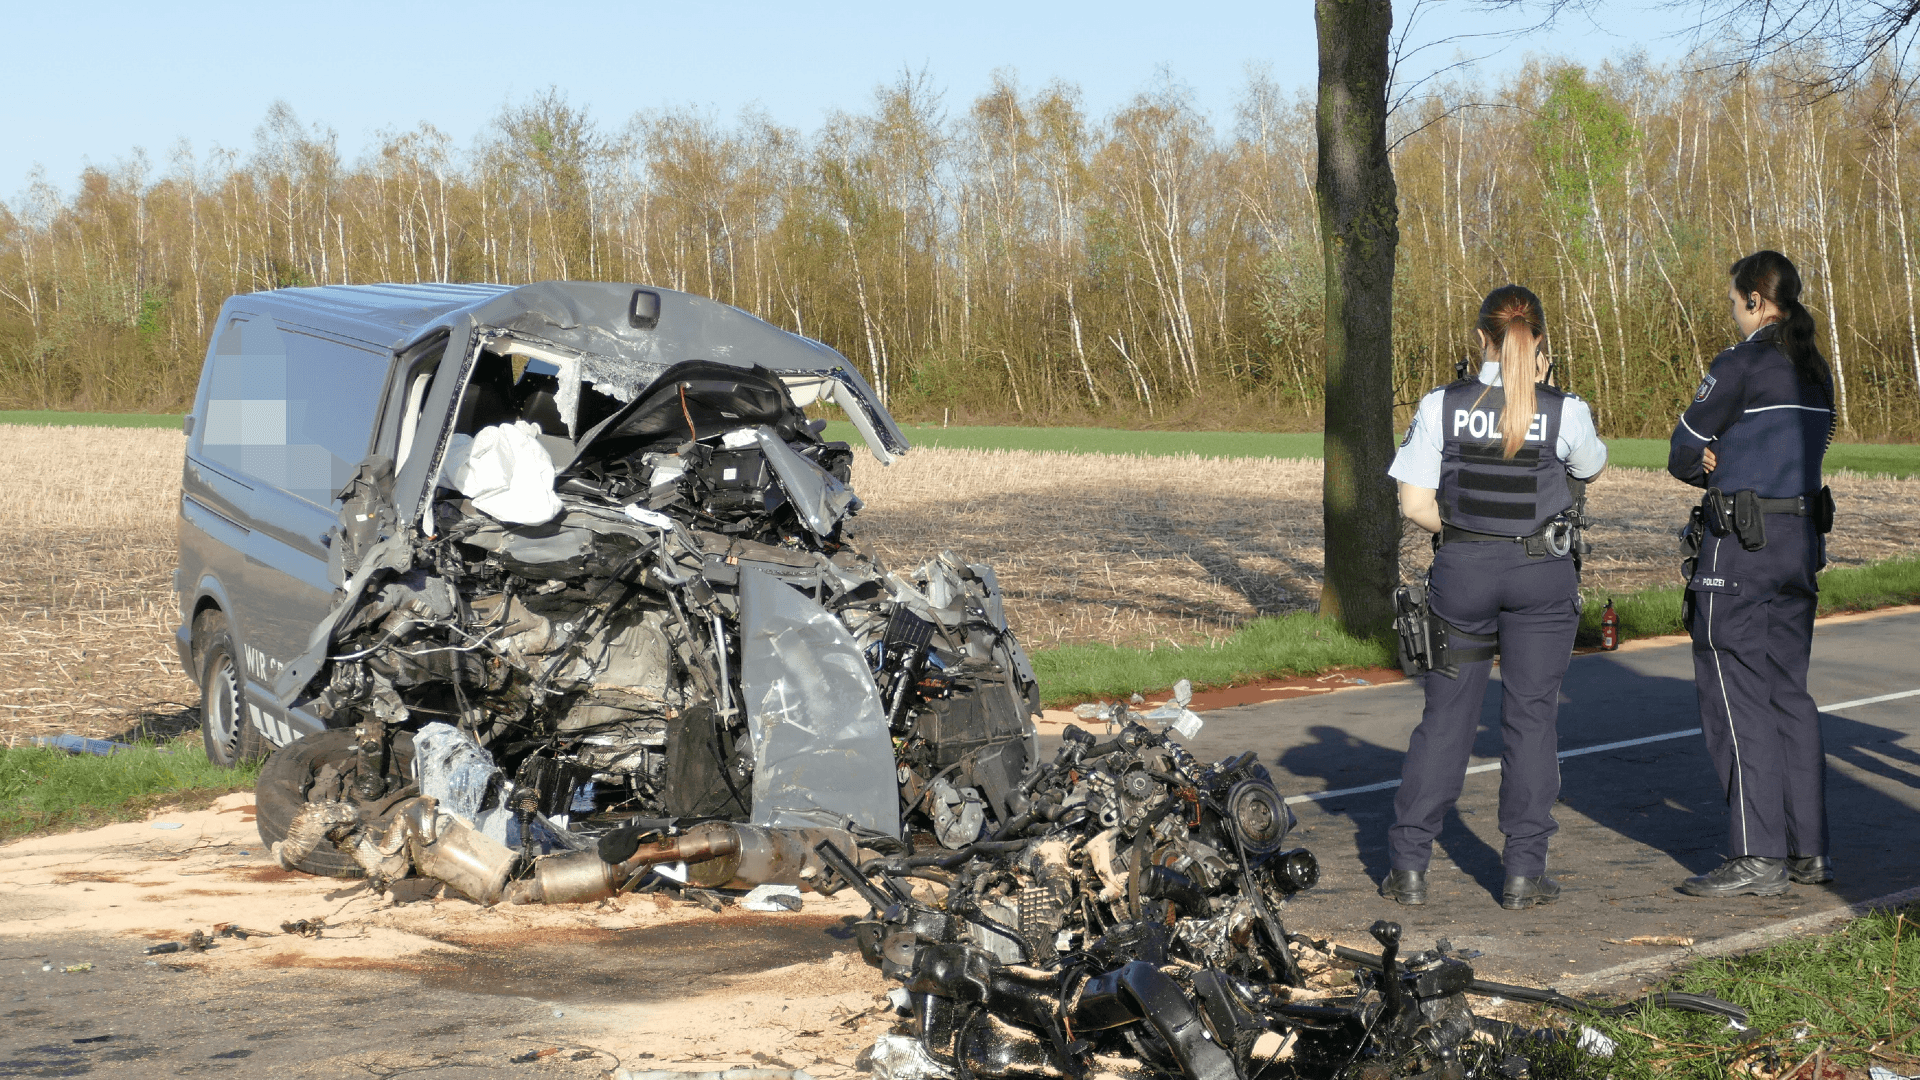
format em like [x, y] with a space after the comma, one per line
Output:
[1418, 461]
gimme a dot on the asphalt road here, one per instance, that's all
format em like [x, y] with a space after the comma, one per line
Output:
[1634, 822]
[132, 1017]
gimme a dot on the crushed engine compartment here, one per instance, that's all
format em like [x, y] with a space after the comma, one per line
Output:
[651, 608]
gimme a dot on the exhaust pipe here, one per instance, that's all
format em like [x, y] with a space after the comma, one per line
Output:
[718, 854]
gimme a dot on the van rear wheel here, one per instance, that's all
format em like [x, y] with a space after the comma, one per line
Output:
[230, 737]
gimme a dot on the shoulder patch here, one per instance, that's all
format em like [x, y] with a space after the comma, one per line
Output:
[1707, 383]
[1408, 437]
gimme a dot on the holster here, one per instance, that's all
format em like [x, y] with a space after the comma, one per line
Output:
[1716, 511]
[1691, 537]
[1823, 510]
[1430, 643]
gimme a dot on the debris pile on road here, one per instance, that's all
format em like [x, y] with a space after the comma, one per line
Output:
[1127, 925]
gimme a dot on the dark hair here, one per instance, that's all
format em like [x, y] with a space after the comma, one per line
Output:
[1774, 277]
[1503, 309]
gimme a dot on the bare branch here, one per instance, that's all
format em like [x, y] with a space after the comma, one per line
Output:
[1845, 36]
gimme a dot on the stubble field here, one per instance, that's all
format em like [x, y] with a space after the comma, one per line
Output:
[1090, 548]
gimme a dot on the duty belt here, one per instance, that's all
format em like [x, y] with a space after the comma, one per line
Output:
[1743, 513]
[1555, 538]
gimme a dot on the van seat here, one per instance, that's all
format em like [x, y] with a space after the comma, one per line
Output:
[560, 449]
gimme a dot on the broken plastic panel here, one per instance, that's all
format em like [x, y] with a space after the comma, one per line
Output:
[821, 749]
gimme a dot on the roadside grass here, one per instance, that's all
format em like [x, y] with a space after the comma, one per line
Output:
[1654, 612]
[1296, 644]
[1852, 996]
[45, 790]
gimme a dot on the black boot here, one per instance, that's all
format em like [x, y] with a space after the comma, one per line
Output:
[1520, 893]
[1747, 875]
[1409, 887]
[1809, 869]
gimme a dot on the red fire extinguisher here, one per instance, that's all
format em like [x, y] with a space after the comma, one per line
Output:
[1609, 629]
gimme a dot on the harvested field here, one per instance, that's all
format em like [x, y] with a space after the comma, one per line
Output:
[87, 550]
[1121, 549]
[1131, 550]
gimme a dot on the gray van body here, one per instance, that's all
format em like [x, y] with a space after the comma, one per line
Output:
[301, 385]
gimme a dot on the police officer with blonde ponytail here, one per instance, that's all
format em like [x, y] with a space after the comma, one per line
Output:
[1485, 467]
[1754, 437]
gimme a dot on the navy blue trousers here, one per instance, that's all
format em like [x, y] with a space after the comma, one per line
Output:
[1486, 587]
[1752, 626]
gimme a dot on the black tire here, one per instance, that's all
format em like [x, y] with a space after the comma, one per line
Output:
[281, 792]
[226, 729]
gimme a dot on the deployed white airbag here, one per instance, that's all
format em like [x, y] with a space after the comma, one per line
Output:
[505, 471]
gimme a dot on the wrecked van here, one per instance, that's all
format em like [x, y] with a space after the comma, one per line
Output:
[589, 530]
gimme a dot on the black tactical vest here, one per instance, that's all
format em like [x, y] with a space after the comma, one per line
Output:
[1483, 491]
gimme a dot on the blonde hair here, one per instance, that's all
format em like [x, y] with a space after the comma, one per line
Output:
[1506, 309]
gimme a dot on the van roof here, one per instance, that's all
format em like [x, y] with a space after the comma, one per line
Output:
[592, 319]
[388, 315]
[586, 316]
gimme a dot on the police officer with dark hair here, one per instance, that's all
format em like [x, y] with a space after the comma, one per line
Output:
[1485, 466]
[1755, 437]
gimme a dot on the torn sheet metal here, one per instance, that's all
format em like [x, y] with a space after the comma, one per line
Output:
[822, 500]
[821, 751]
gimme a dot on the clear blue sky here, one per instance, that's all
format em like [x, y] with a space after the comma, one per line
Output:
[90, 82]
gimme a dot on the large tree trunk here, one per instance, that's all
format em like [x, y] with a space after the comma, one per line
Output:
[1358, 228]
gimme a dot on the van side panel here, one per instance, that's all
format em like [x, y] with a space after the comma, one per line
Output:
[213, 515]
[284, 418]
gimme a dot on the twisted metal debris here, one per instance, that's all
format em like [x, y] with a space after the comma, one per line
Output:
[1128, 925]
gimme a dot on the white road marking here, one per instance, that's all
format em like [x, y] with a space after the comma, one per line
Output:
[1494, 766]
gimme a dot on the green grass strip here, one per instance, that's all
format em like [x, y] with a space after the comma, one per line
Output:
[1299, 644]
[1849, 992]
[1296, 644]
[55, 418]
[45, 789]
[1848, 588]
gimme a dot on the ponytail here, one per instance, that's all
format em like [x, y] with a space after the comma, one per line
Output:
[1517, 415]
[1506, 309]
[1775, 278]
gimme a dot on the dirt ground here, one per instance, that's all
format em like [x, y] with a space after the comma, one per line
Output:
[791, 992]
[1127, 550]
